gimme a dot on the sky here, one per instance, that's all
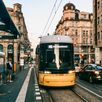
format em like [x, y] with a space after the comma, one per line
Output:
[37, 12]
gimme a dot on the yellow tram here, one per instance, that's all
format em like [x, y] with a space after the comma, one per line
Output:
[55, 61]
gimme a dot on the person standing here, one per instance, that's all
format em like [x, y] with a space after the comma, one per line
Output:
[2, 70]
[21, 64]
[10, 70]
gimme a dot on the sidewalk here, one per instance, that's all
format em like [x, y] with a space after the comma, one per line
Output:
[9, 91]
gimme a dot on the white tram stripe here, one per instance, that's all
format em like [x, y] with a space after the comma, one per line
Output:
[38, 98]
[37, 89]
[23, 91]
[37, 94]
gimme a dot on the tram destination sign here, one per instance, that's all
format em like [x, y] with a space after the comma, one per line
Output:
[57, 46]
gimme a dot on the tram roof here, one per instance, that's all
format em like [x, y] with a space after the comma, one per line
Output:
[56, 39]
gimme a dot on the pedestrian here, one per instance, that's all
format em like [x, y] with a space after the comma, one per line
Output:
[2, 70]
[77, 69]
[21, 64]
[9, 70]
[2, 73]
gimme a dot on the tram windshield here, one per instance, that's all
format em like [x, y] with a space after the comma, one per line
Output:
[56, 56]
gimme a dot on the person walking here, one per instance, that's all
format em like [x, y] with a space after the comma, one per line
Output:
[10, 70]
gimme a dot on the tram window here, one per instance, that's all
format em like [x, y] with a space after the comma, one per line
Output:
[50, 56]
[66, 58]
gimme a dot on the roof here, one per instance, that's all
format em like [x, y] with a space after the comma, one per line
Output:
[56, 39]
[10, 9]
[69, 6]
[7, 23]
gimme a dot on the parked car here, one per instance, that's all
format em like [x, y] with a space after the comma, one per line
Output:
[91, 72]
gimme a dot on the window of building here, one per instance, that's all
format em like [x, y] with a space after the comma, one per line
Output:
[98, 4]
[101, 4]
[86, 41]
[98, 20]
[90, 41]
[87, 33]
[83, 40]
[101, 34]
[84, 16]
[19, 27]
[83, 33]
[1, 48]
[90, 32]
[101, 18]
[98, 35]
[76, 32]
[72, 7]
[66, 7]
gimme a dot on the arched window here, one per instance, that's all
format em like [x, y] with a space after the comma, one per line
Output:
[1, 48]
[10, 48]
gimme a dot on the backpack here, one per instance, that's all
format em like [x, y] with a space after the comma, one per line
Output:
[9, 66]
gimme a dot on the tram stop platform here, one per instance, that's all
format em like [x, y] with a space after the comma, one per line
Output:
[10, 90]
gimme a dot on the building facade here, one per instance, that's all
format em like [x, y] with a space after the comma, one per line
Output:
[13, 47]
[97, 29]
[77, 25]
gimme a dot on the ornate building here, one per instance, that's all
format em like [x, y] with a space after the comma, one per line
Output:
[15, 48]
[97, 29]
[77, 25]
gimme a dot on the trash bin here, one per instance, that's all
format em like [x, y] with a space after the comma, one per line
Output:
[15, 67]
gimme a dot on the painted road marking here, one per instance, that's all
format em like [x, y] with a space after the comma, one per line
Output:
[22, 94]
[38, 98]
[37, 93]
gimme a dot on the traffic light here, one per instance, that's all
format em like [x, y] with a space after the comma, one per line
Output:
[82, 56]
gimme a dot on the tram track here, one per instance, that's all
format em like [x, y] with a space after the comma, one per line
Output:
[84, 100]
[61, 95]
[87, 93]
[76, 94]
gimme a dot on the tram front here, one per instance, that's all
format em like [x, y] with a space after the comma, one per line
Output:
[56, 66]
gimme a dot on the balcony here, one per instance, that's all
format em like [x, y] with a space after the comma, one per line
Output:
[85, 44]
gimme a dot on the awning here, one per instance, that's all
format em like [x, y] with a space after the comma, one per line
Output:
[6, 23]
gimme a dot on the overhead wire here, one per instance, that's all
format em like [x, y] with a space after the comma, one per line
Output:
[49, 16]
[53, 16]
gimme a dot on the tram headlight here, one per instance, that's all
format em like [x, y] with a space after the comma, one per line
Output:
[47, 72]
[71, 71]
